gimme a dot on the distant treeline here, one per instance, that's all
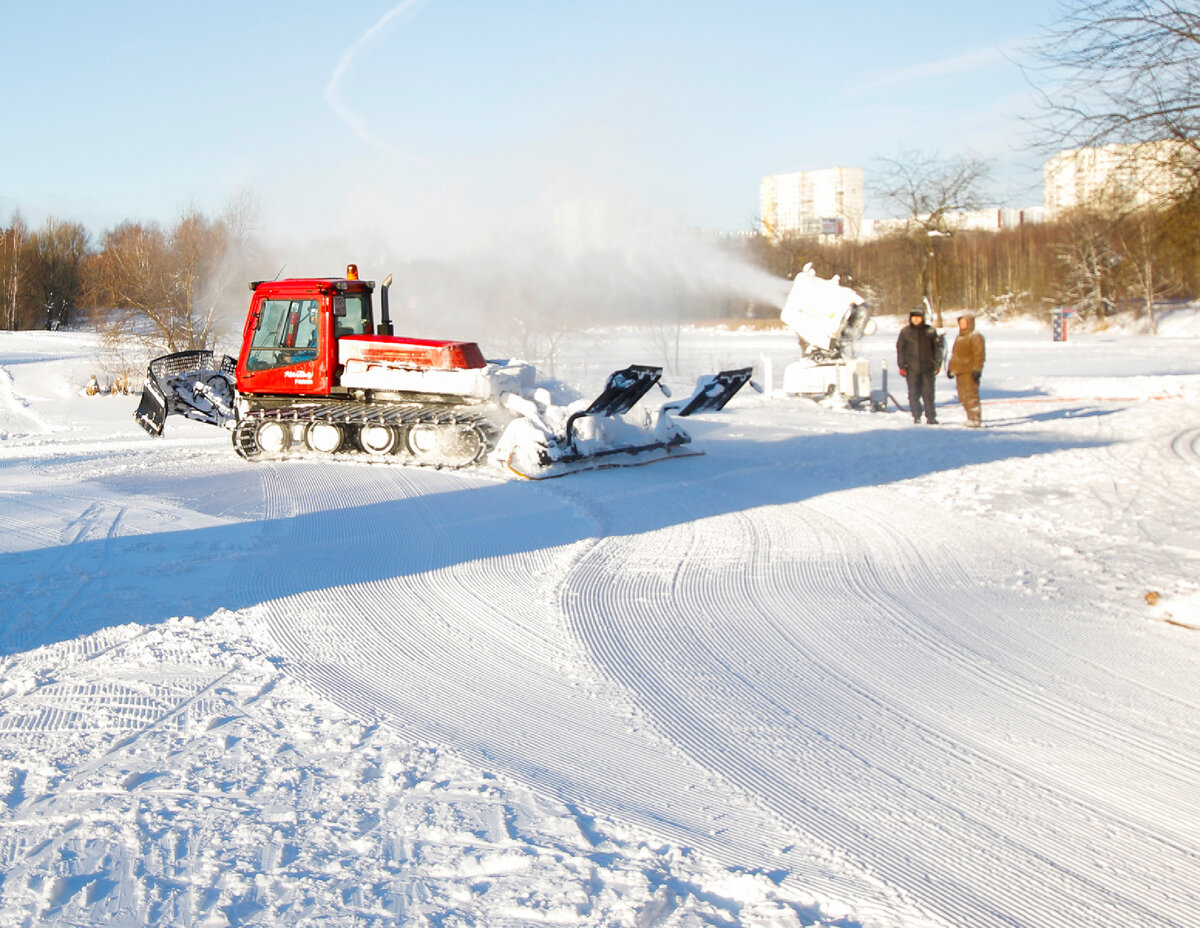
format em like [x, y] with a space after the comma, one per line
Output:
[165, 286]
[162, 283]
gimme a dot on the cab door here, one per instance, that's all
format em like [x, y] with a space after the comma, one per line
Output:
[282, 346]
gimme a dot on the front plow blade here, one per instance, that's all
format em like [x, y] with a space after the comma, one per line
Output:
[152, 410]
[190, 384]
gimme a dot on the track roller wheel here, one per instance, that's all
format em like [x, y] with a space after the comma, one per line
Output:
[273, 436]
[325, 437]
[445, 445]
[379, 439]
[243, 440]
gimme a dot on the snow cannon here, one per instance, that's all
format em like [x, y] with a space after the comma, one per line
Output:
[828, 319]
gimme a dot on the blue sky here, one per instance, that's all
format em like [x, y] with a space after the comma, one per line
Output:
[428, 122]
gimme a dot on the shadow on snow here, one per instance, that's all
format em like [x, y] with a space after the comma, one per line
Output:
[60, 593]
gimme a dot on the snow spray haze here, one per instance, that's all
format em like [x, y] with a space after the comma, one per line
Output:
[504, 249]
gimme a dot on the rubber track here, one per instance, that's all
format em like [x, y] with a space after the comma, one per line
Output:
[356, 414]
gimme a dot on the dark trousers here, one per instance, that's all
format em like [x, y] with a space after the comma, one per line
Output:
[920, 395]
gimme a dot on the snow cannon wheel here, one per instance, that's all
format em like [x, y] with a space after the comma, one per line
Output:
[273, 436]
[445, 445]
[379, 440]
[323, 437]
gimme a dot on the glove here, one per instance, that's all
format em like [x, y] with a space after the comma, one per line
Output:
[977, 376]
[903, 372]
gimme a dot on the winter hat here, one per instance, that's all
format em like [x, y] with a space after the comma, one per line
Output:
[917, 311]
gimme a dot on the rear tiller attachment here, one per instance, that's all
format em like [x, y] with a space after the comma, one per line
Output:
[594, 436]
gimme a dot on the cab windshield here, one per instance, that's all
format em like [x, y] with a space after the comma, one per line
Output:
[285, 334]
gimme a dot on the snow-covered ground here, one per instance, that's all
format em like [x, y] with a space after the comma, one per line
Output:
[839, 670]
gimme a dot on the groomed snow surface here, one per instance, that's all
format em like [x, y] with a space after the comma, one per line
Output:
[839, 670]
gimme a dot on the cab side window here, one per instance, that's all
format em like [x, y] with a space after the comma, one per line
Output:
[357, 318]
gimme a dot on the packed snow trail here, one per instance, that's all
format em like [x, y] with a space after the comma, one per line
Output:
[476, 654]
[860, 684]
[824, 661]
[15, 410]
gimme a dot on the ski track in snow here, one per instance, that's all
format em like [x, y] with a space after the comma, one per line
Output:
[14, 407]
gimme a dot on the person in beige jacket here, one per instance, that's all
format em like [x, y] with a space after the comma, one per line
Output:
[966, 367]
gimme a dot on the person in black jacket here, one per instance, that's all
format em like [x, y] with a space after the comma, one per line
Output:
[919, 358]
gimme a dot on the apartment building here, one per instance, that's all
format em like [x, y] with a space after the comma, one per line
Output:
[828, 202]
[1114, 176]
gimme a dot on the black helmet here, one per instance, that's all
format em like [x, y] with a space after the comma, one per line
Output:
[917, 311]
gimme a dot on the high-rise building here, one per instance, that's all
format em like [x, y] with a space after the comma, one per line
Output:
[827, 202]
[1114, 176]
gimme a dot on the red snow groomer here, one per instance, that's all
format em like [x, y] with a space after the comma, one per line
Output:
[317, 374]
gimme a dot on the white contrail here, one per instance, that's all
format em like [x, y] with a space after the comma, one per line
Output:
[399, 13]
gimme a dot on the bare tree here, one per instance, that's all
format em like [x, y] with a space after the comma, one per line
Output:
[926, 191]
[130, 275]
[12, 271]
[1124, 76]
[197, 247]
[57, 253]
[1089, 281]
[223, 295]
[154, 281]
[1124, 71]
[1138, 239]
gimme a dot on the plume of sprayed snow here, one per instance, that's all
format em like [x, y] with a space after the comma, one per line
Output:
[529, 280]
[618, 269]
[508, 271]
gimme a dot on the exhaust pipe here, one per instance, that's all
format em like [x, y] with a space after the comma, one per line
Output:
[385, 322]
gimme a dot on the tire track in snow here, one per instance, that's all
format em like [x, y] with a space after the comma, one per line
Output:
[787, 626]
[1186, 446]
